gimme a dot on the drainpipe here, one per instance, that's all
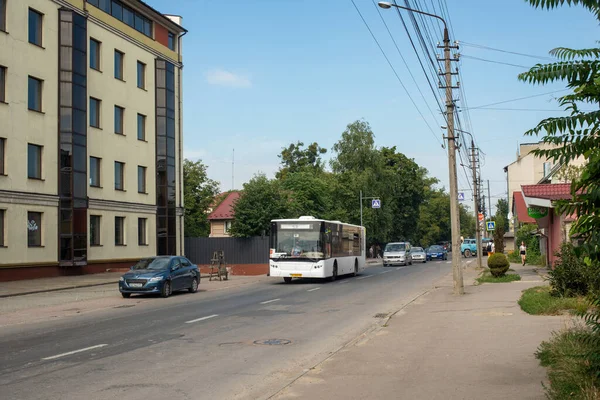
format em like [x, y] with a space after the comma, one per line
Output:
[180, 150]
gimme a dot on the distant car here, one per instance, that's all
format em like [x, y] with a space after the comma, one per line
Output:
[436, 252]
[445, 245]
[468, 247]
[397, 253]
[160, 275]
[418, 254]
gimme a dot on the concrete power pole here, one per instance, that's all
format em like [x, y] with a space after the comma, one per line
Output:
[476, 203]
[454, 207]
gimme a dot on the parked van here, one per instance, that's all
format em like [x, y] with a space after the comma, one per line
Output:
[397, 253]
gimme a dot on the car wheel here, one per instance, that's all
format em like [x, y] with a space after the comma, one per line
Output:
[287, 279]
[335, 272]
[166, 289]
[126, 295]
[194, 287]
[467, 253]
[355, 268]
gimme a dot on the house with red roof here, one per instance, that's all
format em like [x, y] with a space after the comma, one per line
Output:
[554, 227]
[222, 215]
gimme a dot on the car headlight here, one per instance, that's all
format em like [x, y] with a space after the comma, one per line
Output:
[157, 279]
[121, 279]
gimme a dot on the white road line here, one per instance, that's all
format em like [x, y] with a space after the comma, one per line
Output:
[312, 290]
[74, 352]
[384, 272]
[342, 282]
[366, 276]
[269, 301]
[448, 262]
[201, 319]
[398, 268]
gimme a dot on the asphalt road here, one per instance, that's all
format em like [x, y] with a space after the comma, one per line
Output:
[248, 342]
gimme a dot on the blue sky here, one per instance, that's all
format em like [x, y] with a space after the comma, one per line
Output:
[262, 74]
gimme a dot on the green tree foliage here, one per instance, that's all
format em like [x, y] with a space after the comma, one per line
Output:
[502, 213]
[295, 158]
[261, 201]
[199, 192]
[498, 264]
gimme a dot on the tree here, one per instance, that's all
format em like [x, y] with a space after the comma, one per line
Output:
[261, 201]
[355, 151]
[198, 192]
[294, 158]
[502, 212]
[575, 135]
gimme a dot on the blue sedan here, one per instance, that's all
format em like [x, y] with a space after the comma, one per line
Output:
[437, 253]
[160, 275]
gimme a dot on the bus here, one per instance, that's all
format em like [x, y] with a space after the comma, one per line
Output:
[308, 247]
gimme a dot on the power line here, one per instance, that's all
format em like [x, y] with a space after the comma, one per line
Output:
[506, 51]
[395, 73]
[526, 109]
[517, 99]
[495, 62]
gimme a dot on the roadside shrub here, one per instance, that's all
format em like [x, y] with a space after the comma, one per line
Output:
[498, 264]
[571, 276]
[514, 257]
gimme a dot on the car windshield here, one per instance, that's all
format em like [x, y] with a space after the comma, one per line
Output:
[299, 240]
[152, 263]
[395, 247]
[436, 248]
[417, 250]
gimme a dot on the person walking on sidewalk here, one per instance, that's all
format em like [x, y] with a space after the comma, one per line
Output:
[523, 251]
[371, 250]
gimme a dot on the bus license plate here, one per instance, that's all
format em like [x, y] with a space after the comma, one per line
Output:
[296, 275]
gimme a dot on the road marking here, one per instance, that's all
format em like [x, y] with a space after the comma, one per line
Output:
[202, 319]
[342, 282]
[366, 276]
[269, 301]
[74, 352]
[312, 290]
[384, 272]
[448, 262]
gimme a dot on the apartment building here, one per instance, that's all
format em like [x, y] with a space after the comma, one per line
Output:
[90, 136]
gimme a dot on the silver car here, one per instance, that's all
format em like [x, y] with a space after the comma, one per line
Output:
[418, 255]
[397, 253]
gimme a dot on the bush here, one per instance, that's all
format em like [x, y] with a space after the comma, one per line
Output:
[571, 276]
[538, 301]
[498, 264]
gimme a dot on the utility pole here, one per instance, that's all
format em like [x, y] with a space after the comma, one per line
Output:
[489, 199]
[454, 205]
[476, 203]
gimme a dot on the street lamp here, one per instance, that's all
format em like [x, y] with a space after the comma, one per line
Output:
[454, 208]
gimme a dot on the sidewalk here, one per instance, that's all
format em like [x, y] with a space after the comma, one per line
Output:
[477, 346]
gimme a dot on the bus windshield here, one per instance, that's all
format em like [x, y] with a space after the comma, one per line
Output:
[298, 240]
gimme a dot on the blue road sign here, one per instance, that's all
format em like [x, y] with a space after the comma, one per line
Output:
[375, 203]
[461, 196]
[491, 225]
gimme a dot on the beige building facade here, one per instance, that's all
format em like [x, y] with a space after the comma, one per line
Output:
[90, 136]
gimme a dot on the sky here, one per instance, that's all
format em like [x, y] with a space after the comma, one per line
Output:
[261, 74]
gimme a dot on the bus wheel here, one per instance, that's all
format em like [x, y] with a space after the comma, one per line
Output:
[335, 272]
[355, 268]
[287, 279]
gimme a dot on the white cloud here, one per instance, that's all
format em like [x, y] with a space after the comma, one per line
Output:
[226, 78]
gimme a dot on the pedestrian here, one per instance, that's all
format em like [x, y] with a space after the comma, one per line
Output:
[378, 250]
[493, 247]
[371, 251]
[523, 251]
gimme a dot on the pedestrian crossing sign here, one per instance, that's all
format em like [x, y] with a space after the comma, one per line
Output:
[491, 225]
[375, 203]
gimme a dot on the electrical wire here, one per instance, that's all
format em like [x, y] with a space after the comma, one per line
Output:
[517, 99]
[478, 46]
[495, 62]
[395, 73]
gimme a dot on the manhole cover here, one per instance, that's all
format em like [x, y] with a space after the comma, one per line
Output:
[381, 315]
[273, 342]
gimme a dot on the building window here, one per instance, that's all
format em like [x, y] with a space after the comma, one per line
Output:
[119, 64]
[119, 170]
[95, 171]
[125, 14]
[141, 127]
[142, 236]
[3, 15]
[34, 161]
[35, 27]
[2, 156]
[95, 112]
[34, 229]
[119, 231]
[227, 226]
[34, 94]
[2, 83]
[141, 75]
[172, 41]
[141, 179]
[94, 230]
[119, 113]
[2, 214]
[95, 54]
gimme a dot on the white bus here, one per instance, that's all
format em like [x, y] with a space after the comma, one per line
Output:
[314, 248]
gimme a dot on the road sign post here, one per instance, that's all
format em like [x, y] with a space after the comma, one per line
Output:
[375, 203]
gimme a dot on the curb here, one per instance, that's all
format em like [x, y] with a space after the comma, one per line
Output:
[3, 296]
